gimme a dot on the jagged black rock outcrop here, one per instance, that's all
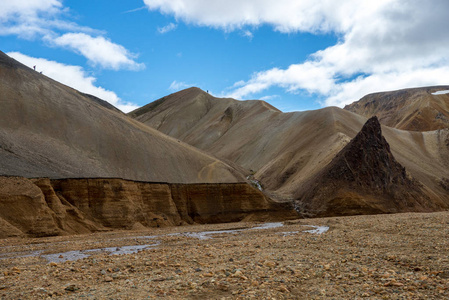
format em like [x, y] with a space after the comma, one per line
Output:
[367, 161]
[363, 178]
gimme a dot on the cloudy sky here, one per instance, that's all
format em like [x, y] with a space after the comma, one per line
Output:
[294, 54]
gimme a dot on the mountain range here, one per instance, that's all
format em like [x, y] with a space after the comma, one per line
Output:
[192, 157]
[286, 151]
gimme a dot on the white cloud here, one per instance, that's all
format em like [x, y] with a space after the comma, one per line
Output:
[248, 34]
[98, 50]
[168, 28]
[27, 7]
[75, 77]
[382, 45]
[31, 19]
[44, 19]
[127, 107]
[25, 18]
[269, 97]
[300, 76]
[135, 9]
[350, 91]
[283, 15]
[179, 85]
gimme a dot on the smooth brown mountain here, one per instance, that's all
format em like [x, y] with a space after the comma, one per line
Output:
[104, 170]
[364, 178]
[418, 109]
[50, 130]
[285, 150]
[252, 134]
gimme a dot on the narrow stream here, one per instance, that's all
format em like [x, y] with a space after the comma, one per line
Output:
[80, 254]
[202, 235]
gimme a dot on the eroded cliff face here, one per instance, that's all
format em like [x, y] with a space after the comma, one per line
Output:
[23, 209]
[42, 207]
[220, 203]
[118, 203]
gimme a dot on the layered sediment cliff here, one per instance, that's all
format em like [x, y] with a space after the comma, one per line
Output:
[43, 207]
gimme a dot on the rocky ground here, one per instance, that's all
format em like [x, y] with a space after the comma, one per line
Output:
[401, 256]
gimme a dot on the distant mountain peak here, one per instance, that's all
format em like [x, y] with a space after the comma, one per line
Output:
[415, 109]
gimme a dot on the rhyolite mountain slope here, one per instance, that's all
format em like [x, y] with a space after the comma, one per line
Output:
[50, 130]
[417, 109]
[186, 113]
[364, 178]
[252, 134]
[71, 163]
[286, 150]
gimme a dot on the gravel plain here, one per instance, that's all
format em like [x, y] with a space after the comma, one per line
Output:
[397, 256]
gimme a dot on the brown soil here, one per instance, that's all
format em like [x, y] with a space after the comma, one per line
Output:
[401, 256]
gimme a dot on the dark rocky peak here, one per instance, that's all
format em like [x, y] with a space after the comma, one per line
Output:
[368, 161]
[363, 178]
[372, 129]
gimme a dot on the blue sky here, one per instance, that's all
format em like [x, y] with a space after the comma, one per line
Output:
[296, 55]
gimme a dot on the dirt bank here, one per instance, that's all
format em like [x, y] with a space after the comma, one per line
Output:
[44, 207]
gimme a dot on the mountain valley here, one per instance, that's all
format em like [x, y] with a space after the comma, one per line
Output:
[72, 163]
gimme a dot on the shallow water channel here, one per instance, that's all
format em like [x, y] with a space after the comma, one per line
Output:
[201, 235]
